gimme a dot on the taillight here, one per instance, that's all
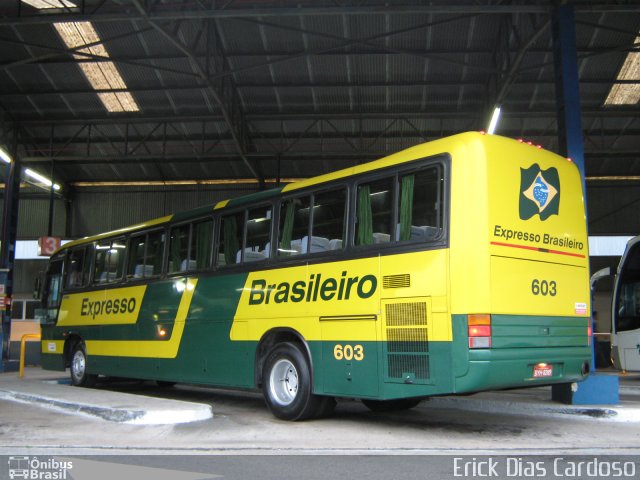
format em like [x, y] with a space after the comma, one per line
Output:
[479, 329]
[590, 333]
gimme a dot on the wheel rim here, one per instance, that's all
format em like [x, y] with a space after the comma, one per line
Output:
[283, 382]
[78, 364]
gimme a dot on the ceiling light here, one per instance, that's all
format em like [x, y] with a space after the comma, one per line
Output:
[4, 156]
[36, 176]
[48, 4]
[494, 121]
[102, 75]
[627, 93]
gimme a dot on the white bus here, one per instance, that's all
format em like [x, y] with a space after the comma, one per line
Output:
[625, 311]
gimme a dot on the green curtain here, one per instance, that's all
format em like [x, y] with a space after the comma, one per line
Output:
[365, 216]
[287, 227]
[203, 232]
[406, 207]
[231, 246]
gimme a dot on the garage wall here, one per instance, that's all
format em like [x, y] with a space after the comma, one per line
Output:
[33, 217]
[614, 210]
[99, 211]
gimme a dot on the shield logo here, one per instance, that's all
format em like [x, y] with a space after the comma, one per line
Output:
[539, 192]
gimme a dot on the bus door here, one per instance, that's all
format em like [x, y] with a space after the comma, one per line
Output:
[52, 294]
[625, 334]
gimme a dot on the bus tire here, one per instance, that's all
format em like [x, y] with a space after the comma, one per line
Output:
[78, 367]
[391, 405]
[286, 385]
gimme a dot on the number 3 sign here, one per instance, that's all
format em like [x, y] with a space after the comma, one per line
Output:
[48, 245]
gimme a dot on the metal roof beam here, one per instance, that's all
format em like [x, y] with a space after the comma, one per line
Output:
[320, 84]
[55, 59]
[155, 137]
[621, 112]
[15, 17]
[303, 155]
[223, 91]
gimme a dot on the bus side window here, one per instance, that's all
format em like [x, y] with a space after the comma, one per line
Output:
[230, 238]
[420, 206]
[179, 260]
[78, 268]
[628, 317]
[109, 265]
[257, 245]
[202, 243]
[374, 210]
[329, 222]
[294, 225]
[145, 255]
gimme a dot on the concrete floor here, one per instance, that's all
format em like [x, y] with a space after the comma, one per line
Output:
[493, 423]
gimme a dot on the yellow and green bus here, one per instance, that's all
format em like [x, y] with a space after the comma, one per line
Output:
[454, 266]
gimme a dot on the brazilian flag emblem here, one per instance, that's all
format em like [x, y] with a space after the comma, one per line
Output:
[539, 192]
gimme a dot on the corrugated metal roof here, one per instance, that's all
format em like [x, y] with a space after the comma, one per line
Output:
[356, 80]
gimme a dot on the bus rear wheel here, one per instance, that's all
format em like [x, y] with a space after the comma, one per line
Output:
[391, 405]
[78, 367]
[286, 384]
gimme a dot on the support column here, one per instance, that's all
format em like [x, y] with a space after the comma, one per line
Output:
[8, 245]
[595, 389]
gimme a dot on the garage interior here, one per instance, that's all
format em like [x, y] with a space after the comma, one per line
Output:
[121, 111]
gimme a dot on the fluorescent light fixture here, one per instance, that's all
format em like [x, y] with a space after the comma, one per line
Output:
[627, 93]
[494, 121]
[39, 178]
[4, 156]
[103, 76]
[48, 4]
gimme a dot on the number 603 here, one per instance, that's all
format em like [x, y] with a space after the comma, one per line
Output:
[544, 287]
[348, 352]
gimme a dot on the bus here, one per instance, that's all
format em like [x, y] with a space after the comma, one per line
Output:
[625, 312]
[455, 266]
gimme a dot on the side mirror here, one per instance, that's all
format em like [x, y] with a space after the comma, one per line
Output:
[37, 287]
[599, 275]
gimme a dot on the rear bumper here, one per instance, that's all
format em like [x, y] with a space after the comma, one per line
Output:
[491, 369]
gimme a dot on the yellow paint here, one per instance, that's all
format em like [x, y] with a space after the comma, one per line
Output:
[340, 330]
[428, 278]
[164, 348]
[118, 306]
[221, 204]
[512, 290]
[488, 274]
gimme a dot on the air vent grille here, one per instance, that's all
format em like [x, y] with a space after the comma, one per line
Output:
[407, 346]
[396, 281]
[404, 314]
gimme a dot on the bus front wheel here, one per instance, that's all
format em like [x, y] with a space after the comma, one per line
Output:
[78, 367]
[286, 384]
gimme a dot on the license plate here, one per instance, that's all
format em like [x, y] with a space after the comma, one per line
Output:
[540, 371]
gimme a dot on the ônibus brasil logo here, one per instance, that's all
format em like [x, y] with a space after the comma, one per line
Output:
[539, 192]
